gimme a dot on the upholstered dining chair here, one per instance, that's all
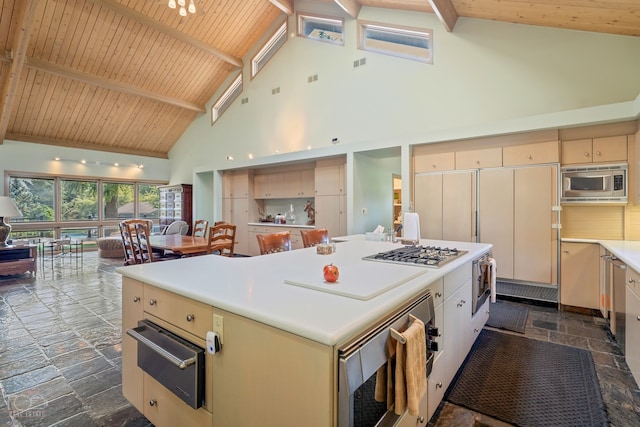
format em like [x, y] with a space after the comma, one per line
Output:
[222, 239]
[200, 228]
[314, 236]
[274, 242]
[177, 227]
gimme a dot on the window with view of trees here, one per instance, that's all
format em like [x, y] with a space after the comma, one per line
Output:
[35, 197]
[79, 200]
[55, 207]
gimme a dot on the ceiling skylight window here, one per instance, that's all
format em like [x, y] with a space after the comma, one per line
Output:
[269, 49]
[330, 30]
[404, 42]
[226, 99]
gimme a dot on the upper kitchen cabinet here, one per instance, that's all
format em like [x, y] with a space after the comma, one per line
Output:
[531, 154]
[269, 186]
[432, 162]
[330, 180]
[236, 184]
[608, 149]
[299, 183]
[446, 204]
[476, 159]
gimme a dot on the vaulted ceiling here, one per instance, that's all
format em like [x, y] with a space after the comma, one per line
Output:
[130, 76]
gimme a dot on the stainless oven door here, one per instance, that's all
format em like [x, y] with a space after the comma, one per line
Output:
[481, 277]
[359, 361]
[176, 363]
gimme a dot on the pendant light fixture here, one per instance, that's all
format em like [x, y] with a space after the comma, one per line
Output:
[183, 8]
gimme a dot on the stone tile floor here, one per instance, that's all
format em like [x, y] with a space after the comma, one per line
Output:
[60, 352]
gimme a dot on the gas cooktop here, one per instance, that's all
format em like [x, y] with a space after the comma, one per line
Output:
[424, 256]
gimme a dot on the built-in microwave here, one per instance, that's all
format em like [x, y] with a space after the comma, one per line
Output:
[595, 184]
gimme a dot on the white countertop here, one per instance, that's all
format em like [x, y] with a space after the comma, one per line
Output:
[626, 250]
[254, 287]
[272, 224]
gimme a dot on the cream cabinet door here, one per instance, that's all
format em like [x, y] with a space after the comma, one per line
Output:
[576, 151]
[496, 216]
[535, 241]
[446, 204]
[459, 206]
[580, 274]
[632, 322]
[427, 202]
[331, 214]
[610, 149]
[329, 180]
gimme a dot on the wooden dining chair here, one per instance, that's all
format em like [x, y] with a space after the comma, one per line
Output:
[222, 239]
[130, 248]
[200, 228]
[274, 242]
[313, 237]
[145, 251]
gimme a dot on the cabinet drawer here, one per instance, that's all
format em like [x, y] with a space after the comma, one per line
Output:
[531, 154]
[474, 159]
[434, 162]
[633, 280]
[191, 316]
[163, 408]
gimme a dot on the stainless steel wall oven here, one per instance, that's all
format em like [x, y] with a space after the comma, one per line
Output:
[360, 359]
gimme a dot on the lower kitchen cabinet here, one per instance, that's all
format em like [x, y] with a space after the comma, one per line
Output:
[632, 321]
[580, 274]
[172, 312]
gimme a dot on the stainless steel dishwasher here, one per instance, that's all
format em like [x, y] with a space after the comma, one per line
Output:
[619, 313]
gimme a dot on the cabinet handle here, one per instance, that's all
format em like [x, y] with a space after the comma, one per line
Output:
[530, 157]
[638, 318]
[438, 295]
[152, 301]
[632, 280]
[190, 317]
[136, 298]
[433, 166]
[421, 419]
[598, 153]
[153, 402]
[475, 330]
[586, 154]
[438, 385]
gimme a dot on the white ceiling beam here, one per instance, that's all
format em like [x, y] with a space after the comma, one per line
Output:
[446, 13]
[352, 7]
[24, 12]
[158, 26]
[284, 5]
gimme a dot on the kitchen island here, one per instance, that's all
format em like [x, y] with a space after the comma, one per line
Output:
[279, 327]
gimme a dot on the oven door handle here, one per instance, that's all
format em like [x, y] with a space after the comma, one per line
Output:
[180, 363]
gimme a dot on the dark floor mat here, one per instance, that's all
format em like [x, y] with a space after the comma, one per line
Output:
[528, 382]
[508, 316]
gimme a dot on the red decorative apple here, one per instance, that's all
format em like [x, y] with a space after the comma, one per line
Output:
[330, 272]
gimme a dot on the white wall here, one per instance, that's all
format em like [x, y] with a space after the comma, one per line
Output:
[38, 158]
[487, 78]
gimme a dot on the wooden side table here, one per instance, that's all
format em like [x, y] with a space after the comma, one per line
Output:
[18, 259]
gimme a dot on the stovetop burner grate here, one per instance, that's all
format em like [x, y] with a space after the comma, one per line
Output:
[426, 256]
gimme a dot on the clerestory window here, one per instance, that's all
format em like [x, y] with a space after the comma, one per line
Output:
[404, 42]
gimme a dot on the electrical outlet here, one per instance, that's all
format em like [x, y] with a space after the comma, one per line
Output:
[218, 326]
[365, 211]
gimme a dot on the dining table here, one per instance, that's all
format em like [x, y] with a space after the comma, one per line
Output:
[179, 244]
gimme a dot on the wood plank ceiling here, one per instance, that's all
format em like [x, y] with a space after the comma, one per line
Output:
[130, 76]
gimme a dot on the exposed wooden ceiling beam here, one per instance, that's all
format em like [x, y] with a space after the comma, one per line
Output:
[158, 26]
[284, 5]
[83, 145]
[446, 13]
[25, 13]
[352, 7]
[80, 76]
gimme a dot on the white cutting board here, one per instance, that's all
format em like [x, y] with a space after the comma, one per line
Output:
[359, 279]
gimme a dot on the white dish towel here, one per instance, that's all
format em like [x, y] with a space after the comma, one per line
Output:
[492, 278]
